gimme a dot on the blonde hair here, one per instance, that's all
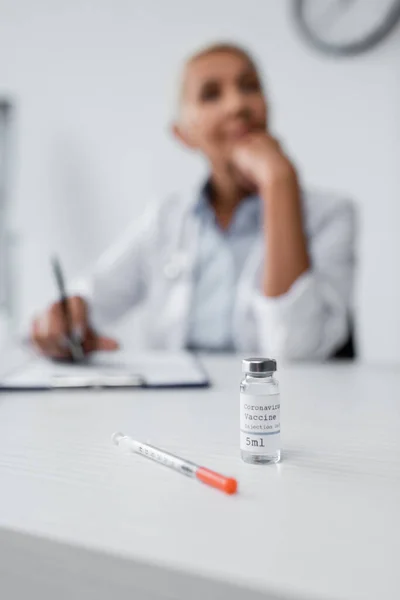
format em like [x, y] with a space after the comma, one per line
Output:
[223, 47]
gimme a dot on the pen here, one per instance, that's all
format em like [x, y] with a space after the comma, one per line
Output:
[74, 344]
[225, 484]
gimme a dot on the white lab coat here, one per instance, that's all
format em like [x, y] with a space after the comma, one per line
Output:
[153, 263]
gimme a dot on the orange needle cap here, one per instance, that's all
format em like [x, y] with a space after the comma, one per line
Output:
[225, 484]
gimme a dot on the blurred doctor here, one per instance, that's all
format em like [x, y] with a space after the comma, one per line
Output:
[246, 261]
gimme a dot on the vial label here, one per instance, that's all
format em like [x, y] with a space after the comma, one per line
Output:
[260, 424]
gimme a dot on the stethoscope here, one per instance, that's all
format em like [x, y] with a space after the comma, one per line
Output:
[175, 266]
[179, 262]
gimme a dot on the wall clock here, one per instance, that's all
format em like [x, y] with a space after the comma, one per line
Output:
[345, 27]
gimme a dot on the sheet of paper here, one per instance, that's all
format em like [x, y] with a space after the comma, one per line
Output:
[109, 369]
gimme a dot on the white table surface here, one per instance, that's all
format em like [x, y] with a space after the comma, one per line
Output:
[80, 519]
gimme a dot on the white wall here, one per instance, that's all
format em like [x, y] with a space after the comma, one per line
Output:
[91, 79]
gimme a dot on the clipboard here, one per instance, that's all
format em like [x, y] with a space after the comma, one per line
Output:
[108, 370]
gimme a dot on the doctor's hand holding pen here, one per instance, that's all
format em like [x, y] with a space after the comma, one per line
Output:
[50, 333]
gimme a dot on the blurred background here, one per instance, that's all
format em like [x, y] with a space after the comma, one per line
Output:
[91, 83]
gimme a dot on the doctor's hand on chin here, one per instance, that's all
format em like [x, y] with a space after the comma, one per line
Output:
[49, 330]
[261, 163]
[259, 160]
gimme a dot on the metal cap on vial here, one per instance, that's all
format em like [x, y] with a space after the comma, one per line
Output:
[257, 366]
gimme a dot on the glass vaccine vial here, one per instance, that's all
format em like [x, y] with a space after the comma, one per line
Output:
[260, 426]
